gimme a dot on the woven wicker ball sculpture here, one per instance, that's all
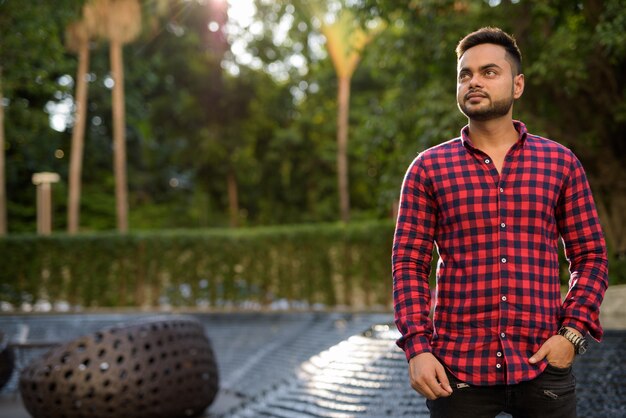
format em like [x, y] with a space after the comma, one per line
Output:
[159, 367]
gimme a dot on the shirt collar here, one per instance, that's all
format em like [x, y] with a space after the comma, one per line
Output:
[520, 127]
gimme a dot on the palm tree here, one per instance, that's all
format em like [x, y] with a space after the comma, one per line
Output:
[345, 41]
[119, 22]
[77, 35]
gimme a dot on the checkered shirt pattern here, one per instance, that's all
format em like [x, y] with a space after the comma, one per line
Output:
[498, 295]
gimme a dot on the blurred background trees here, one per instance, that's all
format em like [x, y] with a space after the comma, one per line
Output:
[233, 121]
[32, 58]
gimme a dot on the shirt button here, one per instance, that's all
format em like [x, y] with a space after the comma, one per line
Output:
[499, 354]
[503, 260]
[498, 365]
[504, 298]
[503, 225]
[503, 335]
[501, 190]
[487, 160]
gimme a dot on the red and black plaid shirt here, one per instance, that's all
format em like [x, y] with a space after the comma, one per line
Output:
[498, 295]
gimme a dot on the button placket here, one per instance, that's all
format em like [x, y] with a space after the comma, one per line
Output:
[502, 214]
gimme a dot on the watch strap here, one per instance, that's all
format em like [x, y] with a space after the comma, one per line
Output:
[577, 341]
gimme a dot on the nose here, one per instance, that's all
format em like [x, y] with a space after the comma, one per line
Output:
[475, 81]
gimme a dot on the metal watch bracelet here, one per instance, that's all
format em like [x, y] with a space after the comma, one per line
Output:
[579, 343]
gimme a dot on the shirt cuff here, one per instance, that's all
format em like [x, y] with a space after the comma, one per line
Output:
[576, 324]
[418, 344]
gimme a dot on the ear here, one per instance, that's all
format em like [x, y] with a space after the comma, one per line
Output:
[518, 86]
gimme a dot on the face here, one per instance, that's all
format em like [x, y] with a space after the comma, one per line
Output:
[486, 85]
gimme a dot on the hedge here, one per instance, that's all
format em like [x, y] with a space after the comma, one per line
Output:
[327, 265]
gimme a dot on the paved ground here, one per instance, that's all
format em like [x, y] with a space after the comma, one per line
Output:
[297, 365]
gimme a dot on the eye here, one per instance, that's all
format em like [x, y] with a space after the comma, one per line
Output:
[464, 76]
[490, 73]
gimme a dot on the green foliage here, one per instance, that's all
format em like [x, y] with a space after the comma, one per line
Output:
[191, 123]
[305, 265]
[328, 264]
[31, 43]
[31, 60]
[617, 268]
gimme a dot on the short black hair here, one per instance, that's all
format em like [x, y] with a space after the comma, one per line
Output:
[492, 35]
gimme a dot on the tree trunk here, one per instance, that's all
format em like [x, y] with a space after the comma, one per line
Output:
[3, 194]
[343, 103]
[78, 140]
[233, 199]
[119, 137]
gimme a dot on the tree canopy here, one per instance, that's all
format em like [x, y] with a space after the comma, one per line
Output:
[235, 123]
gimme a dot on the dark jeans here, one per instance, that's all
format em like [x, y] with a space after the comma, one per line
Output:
[551, 395]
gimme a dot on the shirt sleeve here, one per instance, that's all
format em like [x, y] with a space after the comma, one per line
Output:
[411, 257]
[585, 250]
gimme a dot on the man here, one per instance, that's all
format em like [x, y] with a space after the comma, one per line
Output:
[495, 202]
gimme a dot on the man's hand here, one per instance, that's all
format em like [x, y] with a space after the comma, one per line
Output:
[428, 376]
[557, 350]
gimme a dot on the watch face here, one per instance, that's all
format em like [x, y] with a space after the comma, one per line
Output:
[583, 347]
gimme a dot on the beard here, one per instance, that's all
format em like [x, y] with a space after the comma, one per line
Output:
[495, 109]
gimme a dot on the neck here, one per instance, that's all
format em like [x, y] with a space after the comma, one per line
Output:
[494, 133]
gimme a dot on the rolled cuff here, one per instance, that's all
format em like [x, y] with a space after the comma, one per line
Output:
[579, 326]
[415, 345]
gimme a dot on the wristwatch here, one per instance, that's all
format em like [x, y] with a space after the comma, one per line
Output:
[580, 343]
